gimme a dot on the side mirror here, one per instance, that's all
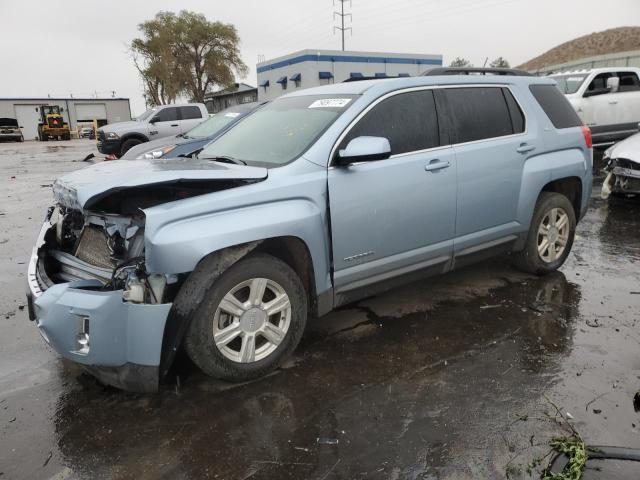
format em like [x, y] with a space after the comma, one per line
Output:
[364, 149]
[154, 120]
[20, 126]
[61, 109]
[613, 84]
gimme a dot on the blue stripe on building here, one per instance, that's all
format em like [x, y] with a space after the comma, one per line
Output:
[352, 58]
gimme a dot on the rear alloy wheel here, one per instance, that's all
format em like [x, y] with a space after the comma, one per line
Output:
[250, 321]
[550, 236]
[553, 235]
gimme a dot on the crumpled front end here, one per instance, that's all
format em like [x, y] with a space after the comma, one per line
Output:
[623, 178]
[93, 300]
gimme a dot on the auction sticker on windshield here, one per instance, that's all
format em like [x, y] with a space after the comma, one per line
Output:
[330, 103]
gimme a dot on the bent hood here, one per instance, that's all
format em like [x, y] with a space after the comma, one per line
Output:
[628, 149]
[83, 187]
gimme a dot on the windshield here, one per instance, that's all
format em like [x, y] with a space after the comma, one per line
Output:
[280, 131]
[214, 124]
[146, 114]
[569, 83]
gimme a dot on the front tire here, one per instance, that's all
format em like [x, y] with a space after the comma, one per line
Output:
[550, 236]
[250, 320]
[128, 144]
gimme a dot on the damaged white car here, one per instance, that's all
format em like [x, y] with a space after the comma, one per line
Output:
[622, 169]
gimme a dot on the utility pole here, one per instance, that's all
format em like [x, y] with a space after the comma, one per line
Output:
[342, 16]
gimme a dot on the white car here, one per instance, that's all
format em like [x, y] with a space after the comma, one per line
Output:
[623, 169]
[607, 100]
[157, 122]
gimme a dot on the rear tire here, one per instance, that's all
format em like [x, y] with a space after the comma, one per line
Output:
[129, 144]
[550, 236]
[233, 336]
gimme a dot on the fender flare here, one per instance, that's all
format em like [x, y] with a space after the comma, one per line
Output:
[190, 297]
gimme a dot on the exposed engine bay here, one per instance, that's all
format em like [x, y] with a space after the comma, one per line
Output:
[104, 247]
[107, 243]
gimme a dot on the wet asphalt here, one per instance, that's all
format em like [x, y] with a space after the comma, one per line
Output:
[456, 377]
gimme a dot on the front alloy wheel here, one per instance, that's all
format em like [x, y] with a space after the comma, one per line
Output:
[252, 320]
[249, 321]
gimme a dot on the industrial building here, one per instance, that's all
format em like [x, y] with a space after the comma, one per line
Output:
[311, 68]
[236, 94]
[76, 111]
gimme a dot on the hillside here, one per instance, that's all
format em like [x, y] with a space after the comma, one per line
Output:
[614, 40]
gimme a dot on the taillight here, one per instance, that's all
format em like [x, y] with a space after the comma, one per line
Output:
[586, 131]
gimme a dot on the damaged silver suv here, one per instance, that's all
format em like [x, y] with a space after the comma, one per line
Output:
[317, 199]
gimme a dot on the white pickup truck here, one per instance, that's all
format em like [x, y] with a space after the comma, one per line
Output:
[157, 122]
[607, 100]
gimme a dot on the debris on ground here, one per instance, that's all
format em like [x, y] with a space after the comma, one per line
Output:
[593, 323]
[326, 441]
[541, 307]
[636, 401]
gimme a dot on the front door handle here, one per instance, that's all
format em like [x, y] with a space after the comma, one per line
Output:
[525, 147]
[613, 102]
[437, 165]
[174, 125]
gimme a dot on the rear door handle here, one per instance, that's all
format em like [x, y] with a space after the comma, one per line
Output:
[525, 147]
[175, 125]
[613, 102]
[437, 165]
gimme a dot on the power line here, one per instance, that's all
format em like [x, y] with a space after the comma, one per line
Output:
[342, 16]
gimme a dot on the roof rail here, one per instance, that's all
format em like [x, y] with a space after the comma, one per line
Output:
[359, 79]
[475, 71]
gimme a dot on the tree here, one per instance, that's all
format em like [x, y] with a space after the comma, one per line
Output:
[186, 55]
[460, 62]
[499, 63]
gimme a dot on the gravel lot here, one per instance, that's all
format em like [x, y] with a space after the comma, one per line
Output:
[452, 378]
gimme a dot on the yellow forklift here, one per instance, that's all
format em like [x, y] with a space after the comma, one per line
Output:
[52, 124]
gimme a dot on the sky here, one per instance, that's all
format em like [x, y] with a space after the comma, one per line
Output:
[75, 47]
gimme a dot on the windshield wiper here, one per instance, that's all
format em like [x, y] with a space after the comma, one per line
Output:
[225, 159]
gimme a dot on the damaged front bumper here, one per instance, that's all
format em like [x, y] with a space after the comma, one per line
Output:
[621, 180]
[118, 342]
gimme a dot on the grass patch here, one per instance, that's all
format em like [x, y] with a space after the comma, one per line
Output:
[575, 449]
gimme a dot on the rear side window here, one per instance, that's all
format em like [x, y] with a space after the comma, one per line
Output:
[517, 117]
[479, 113]
[629, 82]
[190, 112]
[407, 120]
[169, 114]
[556, 106]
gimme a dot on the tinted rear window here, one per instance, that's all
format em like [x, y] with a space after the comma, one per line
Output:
[556, 106]
[479, 113]
[190, 112]
[407, 120]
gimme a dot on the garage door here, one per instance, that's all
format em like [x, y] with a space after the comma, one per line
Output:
[28, 118]
[87, 112]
